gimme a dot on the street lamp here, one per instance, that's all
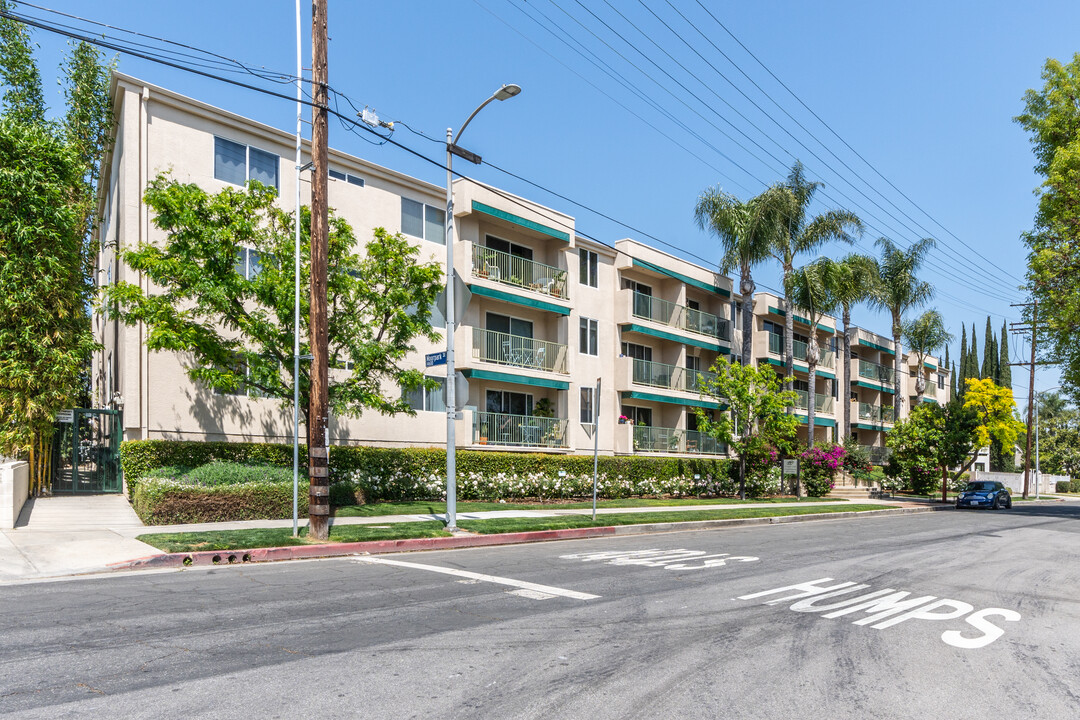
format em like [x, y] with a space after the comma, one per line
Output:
[504, 93]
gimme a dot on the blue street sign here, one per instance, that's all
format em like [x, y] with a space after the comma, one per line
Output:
[433, 359]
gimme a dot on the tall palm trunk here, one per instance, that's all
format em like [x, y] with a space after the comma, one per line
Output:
[746, 289]
[789, 336]
[898, 364]
[811, 395]
[845, 394]
[920, 383]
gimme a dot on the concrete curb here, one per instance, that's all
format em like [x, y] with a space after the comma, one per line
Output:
[302, 552]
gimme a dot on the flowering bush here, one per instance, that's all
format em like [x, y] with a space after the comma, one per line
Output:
[818, 467]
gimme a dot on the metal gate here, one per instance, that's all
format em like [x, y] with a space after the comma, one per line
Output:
[86, 452]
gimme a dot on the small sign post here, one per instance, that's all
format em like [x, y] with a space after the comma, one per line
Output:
[65, 416]
[791, 467]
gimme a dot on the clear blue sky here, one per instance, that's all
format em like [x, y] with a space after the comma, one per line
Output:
[924, 91]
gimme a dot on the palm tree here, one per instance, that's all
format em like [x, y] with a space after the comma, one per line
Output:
[810, 288]
[747, 230]
[897, 290]
[925, 334]
[802, 235]
[854, 278]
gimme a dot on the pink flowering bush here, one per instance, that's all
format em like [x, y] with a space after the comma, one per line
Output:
[819, 466]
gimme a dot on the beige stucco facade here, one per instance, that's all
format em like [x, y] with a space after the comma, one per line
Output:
[551, 312]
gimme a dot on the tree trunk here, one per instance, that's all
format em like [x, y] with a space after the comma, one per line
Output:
[742, 477]
[845, 391]
[898, 364]
[789, 335]
[920, 384]
[746, 289]
[944, 484]
[811, 395]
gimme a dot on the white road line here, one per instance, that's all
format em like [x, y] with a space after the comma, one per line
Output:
[547, 589]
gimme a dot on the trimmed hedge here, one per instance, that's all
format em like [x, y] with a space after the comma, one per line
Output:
[366, 474]
[1067, 486]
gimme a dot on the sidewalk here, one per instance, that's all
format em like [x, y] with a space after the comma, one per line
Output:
[65, 535]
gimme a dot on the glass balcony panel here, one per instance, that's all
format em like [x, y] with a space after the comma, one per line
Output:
[669, 377]
[518, 351]
[668, 313]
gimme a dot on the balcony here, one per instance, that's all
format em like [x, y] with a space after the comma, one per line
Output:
[822, 403]
[518, 351]
[671, 440]
[526, 274]
[826, 357]
[875, 413]
[931, 390]
[518, 430]
[652, 308]
[879, 455]
[873, 371]
[668, 377]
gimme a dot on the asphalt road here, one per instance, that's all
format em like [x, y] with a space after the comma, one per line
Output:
[982, 621]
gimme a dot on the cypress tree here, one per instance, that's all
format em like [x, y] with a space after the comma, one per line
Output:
[973, 356]
[959, 387]
[952, 382]
[988, 352]
[1004, 369]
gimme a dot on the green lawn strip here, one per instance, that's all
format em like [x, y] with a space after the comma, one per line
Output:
[425, 508]
[507, 525]
[281, 537]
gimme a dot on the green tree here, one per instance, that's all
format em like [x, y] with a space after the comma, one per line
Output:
[958, 380]
[1052, 118]
[852, 285]
[924, 335]
[1059, 435]
[897, 290]
[45, 334]
[238, 331]
[952, 383]
[803, 234]
[973, 360]
[989, 363]
[930, 444]
[811, 288]
[757, 413]
[23, 100]
[996, 411]
[747, 232]
[1004, 378]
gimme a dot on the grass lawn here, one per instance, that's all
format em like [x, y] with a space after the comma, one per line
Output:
[281, 537]
[439, 507]
[506, 525]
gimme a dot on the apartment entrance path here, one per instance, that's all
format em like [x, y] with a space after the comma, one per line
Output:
[70, 535]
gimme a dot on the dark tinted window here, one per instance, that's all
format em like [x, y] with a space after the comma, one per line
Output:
[982, 486]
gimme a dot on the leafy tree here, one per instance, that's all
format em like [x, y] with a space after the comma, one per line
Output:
[811, 288]
[996, 411]
[989, 363]
[45, 333]
[930, 441]
[1004, 378]
[852, 285]
[747, 232]
[1059, 435]
[23, 100]
[757, 414]
[924, 335]
[238, 330]
[898, 290]
[802, 234]
[952, 383]
[958, 382]
[1052, 117]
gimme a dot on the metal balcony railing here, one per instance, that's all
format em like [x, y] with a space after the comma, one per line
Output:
[879, 455]
[826, 357]
[670, 440]
[519, 430]
[513, 270]
[518, 351]
[931, 389]
[669, 377]
[875, 413]
[672, 314]
[873, 371]
[822, 403]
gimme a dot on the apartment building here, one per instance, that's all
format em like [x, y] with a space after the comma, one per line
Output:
[550, 313]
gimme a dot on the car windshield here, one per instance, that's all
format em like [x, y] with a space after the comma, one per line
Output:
[980, 487]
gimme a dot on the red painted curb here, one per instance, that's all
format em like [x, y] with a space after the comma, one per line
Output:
[299, 552]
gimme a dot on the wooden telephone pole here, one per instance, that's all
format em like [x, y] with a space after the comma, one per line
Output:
[318, 456]
[1031, 390]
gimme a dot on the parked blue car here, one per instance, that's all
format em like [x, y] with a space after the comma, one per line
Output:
[984, 494]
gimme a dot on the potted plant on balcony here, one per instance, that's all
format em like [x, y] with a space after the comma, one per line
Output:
[558, 283]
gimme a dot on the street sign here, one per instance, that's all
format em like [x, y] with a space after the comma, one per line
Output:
[791, 466]
[435, 358]
[65, 416]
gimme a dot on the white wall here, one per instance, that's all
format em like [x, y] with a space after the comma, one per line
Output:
[14, 490]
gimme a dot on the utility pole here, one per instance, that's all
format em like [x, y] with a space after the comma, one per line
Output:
[318, 456]
[1031, 393]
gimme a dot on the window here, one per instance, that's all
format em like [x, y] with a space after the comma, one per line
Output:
[508, 247]
[589, 274]
[638, 415]
[941, 381]
[588, 344]
[736, 312]
[693, 363]
[237, 163]
[587, 416]
[423, 221]
[638, 352]
[347, 177]
[248, 263]
[240, 367]
[509, 325]
[423, 399]
[509, 403]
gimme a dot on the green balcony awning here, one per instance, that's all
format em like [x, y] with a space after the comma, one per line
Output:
[818, 421]
[804, 321]
[684, 278]
[516, 379]
[524, 300]
[518, 220]
[883, 388]
[704, 344]
[801, 368]
[653, 397]
[882, 348]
